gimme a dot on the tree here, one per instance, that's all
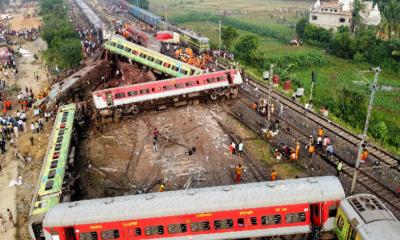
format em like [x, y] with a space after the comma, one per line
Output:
[246, 47]
[390, 26]
[342, 45]
[358, 6]
[229, 36]
[380, 131]
[301, 25]
[140, 3]
[352, 108]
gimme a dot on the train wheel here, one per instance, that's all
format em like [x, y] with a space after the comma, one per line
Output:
[214, 96]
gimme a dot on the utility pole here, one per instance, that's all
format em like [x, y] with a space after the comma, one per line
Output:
[360, 147]
[271, 72]
[165, 12]
[137, 3]
[219, 43]
[313, 81]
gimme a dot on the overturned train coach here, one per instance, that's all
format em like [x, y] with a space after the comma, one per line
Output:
[281, 208]
[136, 97]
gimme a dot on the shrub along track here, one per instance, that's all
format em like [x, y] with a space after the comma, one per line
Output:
[366, 179]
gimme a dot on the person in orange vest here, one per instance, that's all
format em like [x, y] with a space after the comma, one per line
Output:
[274, 175]
[297, 150]
[238, 171]
[311, 150]
[293, 155]
[254, 106]
[8, 104]
[364, 155]
[162, 187]
[320, 132]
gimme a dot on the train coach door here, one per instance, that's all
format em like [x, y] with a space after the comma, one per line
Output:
[70, 233]
[316, 212]
[109, 98]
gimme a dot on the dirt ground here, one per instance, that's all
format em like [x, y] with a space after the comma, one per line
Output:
[120, 159]
[18, 22]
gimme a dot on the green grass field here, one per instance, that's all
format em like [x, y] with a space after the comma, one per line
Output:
[333, 76]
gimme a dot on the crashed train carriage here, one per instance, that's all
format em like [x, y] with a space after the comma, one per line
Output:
[287, 207]
[134, 97]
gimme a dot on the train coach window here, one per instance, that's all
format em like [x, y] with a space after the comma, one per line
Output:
[49, 185]
[200, 226]
[179, 85]
[240, 222]
[134, 52]
[189, 84]
[150, 58]
[88, 236]
[271, 219]
[119, 95]
[183, 71]
[142, 55]
[220, 79]
[223, 224]
[168, 87]
[119, 46]
[158, 61]
[132, 93]
[295, 217]
[113, 44]
[211, 80]
[253, 220]
[177, 228]
[175, 68]
[154, 230]
[167, 65]
[126, 49]
[110, 234]
[144, 91]
[192, 72]
[133, 232]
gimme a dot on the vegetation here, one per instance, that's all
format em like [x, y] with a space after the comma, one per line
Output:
[229, 36]
[390, 25]
[64, 47]
[141, 3]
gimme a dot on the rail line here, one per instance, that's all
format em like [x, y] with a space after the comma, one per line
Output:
[366, 179]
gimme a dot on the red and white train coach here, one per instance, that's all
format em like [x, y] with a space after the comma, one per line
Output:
[251, 210]
[214, 84]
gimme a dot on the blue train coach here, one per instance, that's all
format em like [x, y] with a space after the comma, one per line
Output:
[144, 16]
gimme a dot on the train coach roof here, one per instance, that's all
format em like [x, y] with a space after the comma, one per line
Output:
[242, 196]
[371, 217]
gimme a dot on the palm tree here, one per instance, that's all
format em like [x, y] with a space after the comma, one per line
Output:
[390, 25]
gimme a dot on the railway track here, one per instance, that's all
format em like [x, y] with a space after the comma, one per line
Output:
[366, 179]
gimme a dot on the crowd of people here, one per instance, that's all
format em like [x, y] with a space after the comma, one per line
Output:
[88, 41]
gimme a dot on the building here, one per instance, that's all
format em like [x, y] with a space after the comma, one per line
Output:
[332, 14]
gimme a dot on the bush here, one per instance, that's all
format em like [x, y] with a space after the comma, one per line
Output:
[380, 131]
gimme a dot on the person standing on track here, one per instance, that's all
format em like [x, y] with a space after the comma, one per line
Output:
[240, 149]
[320, 132]
[274, 175]
[339, 167]
[238, 172]
[364, 155]
[230, 149]
[297, 150]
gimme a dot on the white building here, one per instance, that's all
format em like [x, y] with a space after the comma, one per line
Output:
[332, 14]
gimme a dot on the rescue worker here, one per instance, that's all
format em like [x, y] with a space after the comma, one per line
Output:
[238, 171]
[274, 175]
[162, 187]
[364, 155]
[297, 150]
[320, 132]
[339, 167]
[293, 155]
[254, 106]
[311, 150]
[329, 151]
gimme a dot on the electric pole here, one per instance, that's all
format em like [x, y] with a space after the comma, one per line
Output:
[165, 12]
[364, 135]
[313, 81]
[271, 72]
[219, 43]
